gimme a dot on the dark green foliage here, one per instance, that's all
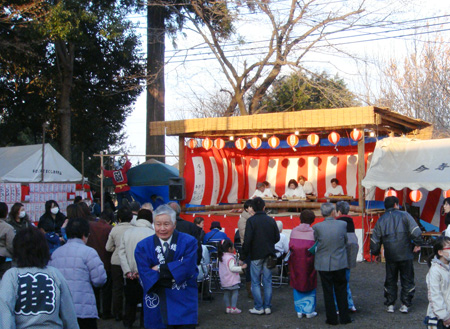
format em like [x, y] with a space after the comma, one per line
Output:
[300, 92]
[107, 71]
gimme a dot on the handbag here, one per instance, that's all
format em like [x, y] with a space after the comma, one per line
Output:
[271, 261]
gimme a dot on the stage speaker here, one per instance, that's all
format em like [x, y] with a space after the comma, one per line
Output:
[176, 188]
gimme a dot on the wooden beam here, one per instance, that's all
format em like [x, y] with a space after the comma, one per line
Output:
[361, 174]
[182, 158]
[401, 122]
[271, 205]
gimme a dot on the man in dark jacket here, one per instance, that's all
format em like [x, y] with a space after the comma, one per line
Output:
[261, 235]
[184, 225]
[395, 230]
[187, 227]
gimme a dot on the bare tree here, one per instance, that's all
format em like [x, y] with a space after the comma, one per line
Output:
[295, 29]
[419, 85]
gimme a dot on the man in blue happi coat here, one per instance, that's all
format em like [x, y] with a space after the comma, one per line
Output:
[168, 272]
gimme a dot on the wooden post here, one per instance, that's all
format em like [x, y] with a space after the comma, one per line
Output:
[361, 174]
[182, 157]
[82, 172]
[101, 182]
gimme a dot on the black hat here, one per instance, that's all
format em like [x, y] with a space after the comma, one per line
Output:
[215, 224]
[135, 206]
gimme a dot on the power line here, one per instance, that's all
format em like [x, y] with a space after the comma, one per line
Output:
[320, 46]
[205, 47]
[328, 39]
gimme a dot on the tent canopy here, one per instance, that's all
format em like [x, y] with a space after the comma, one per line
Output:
[400, 162]
[23, 164]
[151, 172]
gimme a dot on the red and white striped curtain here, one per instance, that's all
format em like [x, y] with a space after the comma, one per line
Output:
[229, 175]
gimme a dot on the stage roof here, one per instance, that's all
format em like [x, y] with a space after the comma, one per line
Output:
[381, 121]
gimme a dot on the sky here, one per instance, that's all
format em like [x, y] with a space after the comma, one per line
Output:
[198, 75]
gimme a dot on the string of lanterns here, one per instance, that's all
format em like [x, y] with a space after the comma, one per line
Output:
[273, 141]
[414, 195]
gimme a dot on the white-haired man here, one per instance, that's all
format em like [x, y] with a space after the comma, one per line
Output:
[168, 272]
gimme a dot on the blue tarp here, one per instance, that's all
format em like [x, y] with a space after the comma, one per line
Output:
[143, 194]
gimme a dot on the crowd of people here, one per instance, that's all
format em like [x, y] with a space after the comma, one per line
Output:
[67, 271]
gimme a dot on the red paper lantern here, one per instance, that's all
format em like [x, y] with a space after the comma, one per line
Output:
[192, 144]
[219, 143]
[446, 194]
[390, 193]
[273, 141]
[313, 139]
[356, 135]
[255, 142]
[292, 140]
[334, 137]
[415, 196]
[207, 143]
[240, 144]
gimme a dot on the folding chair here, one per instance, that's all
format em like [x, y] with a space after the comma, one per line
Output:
[214, 278]
[281, 268]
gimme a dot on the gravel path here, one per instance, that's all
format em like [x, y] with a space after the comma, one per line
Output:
[367, 288]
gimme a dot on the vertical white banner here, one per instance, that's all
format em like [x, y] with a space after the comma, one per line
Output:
[291, 171]
[252, 176]
[330, 171]
[352, 171]
[216, 181]
[272, 171]
[232, 196]
[225, 177]
[199, 180]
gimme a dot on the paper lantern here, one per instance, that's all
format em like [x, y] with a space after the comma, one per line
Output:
[240, 144]
[273, 141]
[219, 143]
[255, 142]
[192, 144]
[356, 135]
[207, 143]
[446, 194]
[292, 140]
[390, 193]
[334, 137]
[313, 139]
[415, 196]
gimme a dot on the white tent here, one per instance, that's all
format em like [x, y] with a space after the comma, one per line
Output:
[400, 162]
[23, 164]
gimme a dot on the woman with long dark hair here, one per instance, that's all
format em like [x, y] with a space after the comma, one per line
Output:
[48, 302]
[52, 217]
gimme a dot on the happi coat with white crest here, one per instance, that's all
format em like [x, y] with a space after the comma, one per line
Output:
[170, 295]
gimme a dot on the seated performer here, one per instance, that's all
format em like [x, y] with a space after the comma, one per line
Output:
[262, 192]
[307, 186]
[294, 190]
[335, 188]
[269, 189]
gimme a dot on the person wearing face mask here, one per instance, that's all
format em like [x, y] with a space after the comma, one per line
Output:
[52, 217]
[18, 218]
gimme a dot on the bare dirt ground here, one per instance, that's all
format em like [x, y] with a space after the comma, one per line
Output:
[366, 283]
